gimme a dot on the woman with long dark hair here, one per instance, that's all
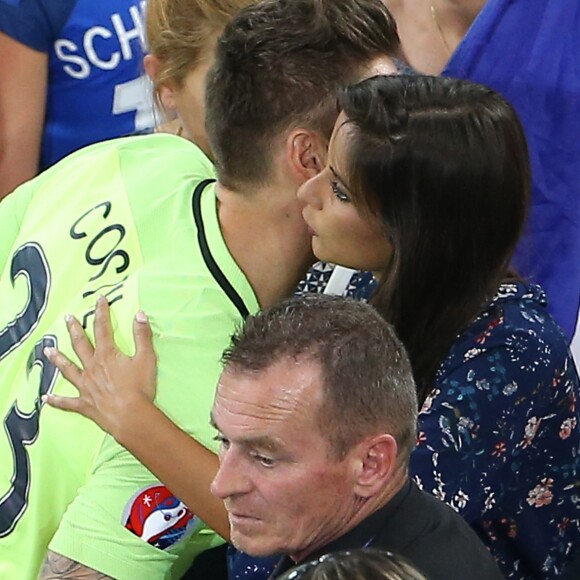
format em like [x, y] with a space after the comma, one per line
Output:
[427, 185]
[440, 169]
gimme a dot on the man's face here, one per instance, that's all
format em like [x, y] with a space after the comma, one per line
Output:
[283, 489]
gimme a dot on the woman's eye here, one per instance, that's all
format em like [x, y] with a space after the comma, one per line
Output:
[338, 192]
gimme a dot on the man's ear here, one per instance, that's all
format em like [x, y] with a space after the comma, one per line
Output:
[306, 151]
[165, 91]
[377, 461]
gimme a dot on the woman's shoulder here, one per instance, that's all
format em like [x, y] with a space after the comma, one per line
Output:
[511, 365]
[515, 329]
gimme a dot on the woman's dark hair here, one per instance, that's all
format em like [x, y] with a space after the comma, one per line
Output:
[444, 164]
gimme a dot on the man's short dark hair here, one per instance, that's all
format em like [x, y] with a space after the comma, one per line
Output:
[279, 64]
[364, 369]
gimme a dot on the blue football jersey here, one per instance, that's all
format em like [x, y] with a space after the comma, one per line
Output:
[96, 83]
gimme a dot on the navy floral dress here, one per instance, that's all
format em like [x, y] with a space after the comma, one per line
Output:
[499, 438]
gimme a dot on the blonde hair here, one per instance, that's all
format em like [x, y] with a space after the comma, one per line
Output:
[181, 32]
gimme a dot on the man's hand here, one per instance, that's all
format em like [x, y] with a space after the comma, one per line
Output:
[110, 383]
[56, 567]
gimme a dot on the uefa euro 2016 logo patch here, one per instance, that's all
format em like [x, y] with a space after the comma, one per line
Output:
[158, 517]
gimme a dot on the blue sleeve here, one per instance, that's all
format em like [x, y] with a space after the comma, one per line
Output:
[528, 51]
[35, 23]
[495, 422]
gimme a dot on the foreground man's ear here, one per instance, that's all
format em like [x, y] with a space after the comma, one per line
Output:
[377, 461]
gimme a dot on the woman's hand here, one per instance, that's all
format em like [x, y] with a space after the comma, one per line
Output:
[110, 384]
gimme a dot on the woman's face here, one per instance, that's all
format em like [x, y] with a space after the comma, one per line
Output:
[342, 233]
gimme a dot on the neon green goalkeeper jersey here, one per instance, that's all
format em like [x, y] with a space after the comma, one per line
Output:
[135, 220]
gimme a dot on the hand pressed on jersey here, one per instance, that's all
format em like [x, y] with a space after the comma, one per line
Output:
[117, 391]
[110, 383]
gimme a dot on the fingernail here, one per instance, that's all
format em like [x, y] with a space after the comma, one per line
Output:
[49, 351]
[44, 398]
[141, 316]
[68, 318]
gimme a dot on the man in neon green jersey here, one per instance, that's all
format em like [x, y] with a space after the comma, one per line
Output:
[141, 222]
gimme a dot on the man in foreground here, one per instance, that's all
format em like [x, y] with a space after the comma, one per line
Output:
[316, 414]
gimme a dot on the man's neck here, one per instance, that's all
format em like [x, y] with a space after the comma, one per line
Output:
[366, 507]
[267, 238]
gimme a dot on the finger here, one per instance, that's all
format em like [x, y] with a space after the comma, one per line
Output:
[102, 325]
[79, 340]
[64, 403]
[143, 337]
[69, 370]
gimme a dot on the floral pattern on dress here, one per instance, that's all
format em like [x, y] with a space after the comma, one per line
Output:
[499, 436]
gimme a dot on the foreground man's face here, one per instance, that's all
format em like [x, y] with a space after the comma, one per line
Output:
[283, 489]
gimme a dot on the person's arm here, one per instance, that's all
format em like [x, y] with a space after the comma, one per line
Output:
[56, 566]
[117, 391]
[22, 107]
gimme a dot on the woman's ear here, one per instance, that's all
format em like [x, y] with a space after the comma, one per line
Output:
[152, 66]
[165, 91]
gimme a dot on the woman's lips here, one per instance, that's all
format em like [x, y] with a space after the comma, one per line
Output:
[311, 231]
